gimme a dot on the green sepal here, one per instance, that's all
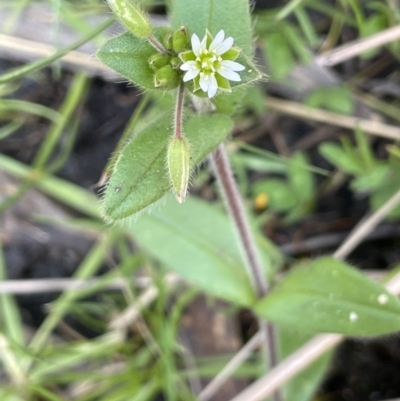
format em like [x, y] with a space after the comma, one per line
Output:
[158, 61]
[187, 56]
[167, 78]
[209, 38]
[196, 86]
[129, 55]
[139, 177]
[180, 40]
[232, 54]
[223, 83]
[175, 63]
[166, 39]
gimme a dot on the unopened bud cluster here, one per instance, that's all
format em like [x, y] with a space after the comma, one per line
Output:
[166, 67]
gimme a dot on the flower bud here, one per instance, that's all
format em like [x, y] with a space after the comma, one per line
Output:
[158, 60]
[180, 40]
[167, 40]
[132, 17]
[166, 78]
[175, 63]
[178, 160]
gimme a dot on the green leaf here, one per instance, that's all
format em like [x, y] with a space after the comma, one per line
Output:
[180, 237]
[278, 56]
[337, 156]
[129, 56]
[140, 177]
[336, 99]
[372, 25]
[300, 177]
[227, 103]
[383, 194]
[214, 15]
[373, 179]
[330, 296]
[304, 385]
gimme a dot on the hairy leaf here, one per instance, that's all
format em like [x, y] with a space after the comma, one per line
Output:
[129, 56]
[140, 176]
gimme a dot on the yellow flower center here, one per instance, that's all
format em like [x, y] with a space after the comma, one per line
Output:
[208, 62]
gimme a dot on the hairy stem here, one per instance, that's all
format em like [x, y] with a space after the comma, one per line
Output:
[234, 204]
[157, 45]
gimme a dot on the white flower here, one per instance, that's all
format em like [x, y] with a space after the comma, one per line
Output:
[210, 63]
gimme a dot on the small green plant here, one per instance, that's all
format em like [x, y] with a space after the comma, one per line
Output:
[378, 178]
[293, 196]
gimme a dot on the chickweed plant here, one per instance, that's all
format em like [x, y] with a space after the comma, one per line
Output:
[203, 64]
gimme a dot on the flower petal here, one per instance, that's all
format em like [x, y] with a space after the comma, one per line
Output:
[224, 46]
[229, 74]
[212, 87]
[217, 40]
[188, 65]
[204, 82]
[232, 65]
[196, 45]
[192, 73]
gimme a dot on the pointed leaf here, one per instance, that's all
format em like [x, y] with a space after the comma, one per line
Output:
[300, 177]
[197, 241]
[337, 156]
[305, 384]
[129, 56]
[140, 176]
[278, 55]
[329, 296]
[249, 74]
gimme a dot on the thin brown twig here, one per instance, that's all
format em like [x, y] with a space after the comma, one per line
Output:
[356, 47]
[327, 117]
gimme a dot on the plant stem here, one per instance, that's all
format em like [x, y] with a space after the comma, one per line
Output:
[178, 117]
[234, 204]
[157, 45]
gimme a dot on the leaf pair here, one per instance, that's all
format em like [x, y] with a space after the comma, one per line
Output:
[140, 177]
